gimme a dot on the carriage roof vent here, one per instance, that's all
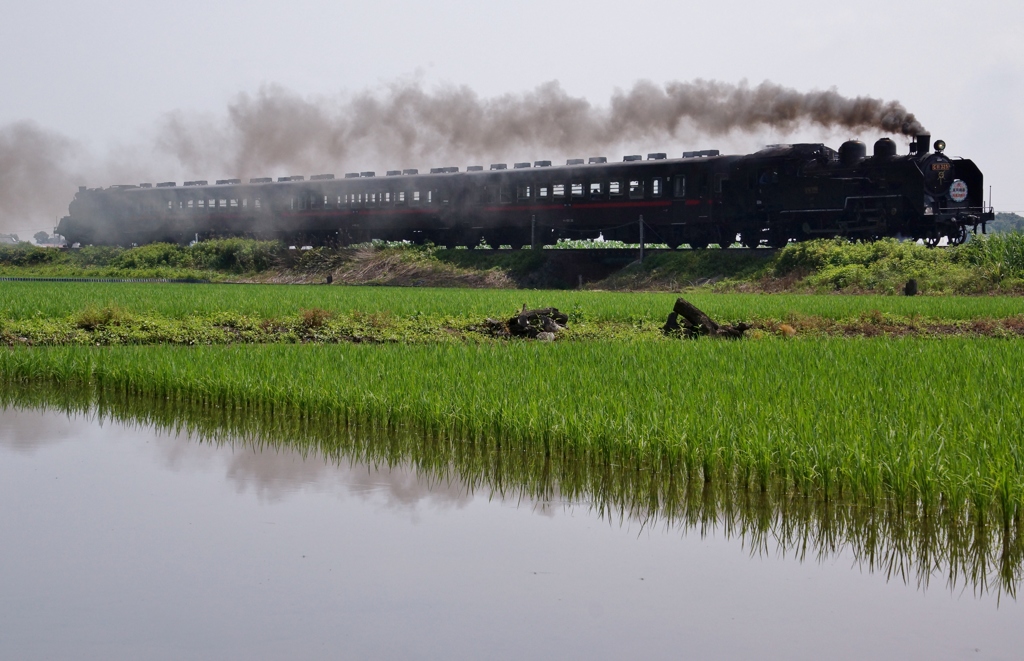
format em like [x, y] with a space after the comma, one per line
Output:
[393, 173]
[657, 156]
[145, 185]
[197, 182]
[519, 166]
[261, 180]
[701, 153]
[450, 170]
[368, 173]
[436, 170]
[410, 171]
[630, 159]
[475, 168]
[162, 184]
[351, 175]
[297, 177]
[597, 159]
[222, 182]
[321, 177]
[541, 164]
[499, 166]
[574, 161]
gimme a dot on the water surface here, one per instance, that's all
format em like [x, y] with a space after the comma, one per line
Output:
[124, 540]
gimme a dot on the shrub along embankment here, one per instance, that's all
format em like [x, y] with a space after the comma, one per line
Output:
[985, 265]
[931, 425]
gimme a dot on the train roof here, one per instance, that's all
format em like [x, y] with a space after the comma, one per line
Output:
[574, 164]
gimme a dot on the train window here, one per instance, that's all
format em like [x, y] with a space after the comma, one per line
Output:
[524, 192]
[190, 204]
[558, 191]
[339, 201]
[430, 197]
[234, 203]
[636, 189]
[595, 189]
[400, 197]
[223, 204]
[211, 204]
[679, 186]
[256, 202]
[170, 204]
[615, 188]
[415, 197]
[504, 195]
[245, 202]
[386, 197]
[542, 192]
[656, 187]
[577, 189]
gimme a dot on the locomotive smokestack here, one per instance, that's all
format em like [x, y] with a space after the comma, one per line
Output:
[923, 140]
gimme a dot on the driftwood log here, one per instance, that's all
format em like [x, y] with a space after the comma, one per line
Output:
[531, 323]
[695, 323]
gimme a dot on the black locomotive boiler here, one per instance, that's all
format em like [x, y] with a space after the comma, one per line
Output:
[779, 194]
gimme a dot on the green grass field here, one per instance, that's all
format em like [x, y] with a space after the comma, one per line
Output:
[26, 300]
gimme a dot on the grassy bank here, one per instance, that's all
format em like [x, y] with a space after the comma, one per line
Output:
[985, 265]
[930, 424]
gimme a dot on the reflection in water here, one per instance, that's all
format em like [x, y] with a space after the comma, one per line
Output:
[902, 539]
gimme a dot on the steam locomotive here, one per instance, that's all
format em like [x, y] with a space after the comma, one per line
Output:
[778, 194]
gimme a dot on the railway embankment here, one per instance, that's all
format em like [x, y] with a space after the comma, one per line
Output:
[991, 264]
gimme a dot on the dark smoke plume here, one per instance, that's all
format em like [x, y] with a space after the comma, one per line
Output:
[278, 132]
[34, 172]
[404, 125]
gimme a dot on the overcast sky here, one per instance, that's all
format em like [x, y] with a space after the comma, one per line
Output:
[104, 77]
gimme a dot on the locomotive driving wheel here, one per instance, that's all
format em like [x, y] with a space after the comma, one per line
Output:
[958, 236]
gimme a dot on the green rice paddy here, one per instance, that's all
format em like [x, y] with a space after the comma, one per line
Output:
[929, 423]
[23, 300]
[912, 544]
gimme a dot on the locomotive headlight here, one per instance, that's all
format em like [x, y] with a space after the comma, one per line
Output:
[940, 145]
[928, 211]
